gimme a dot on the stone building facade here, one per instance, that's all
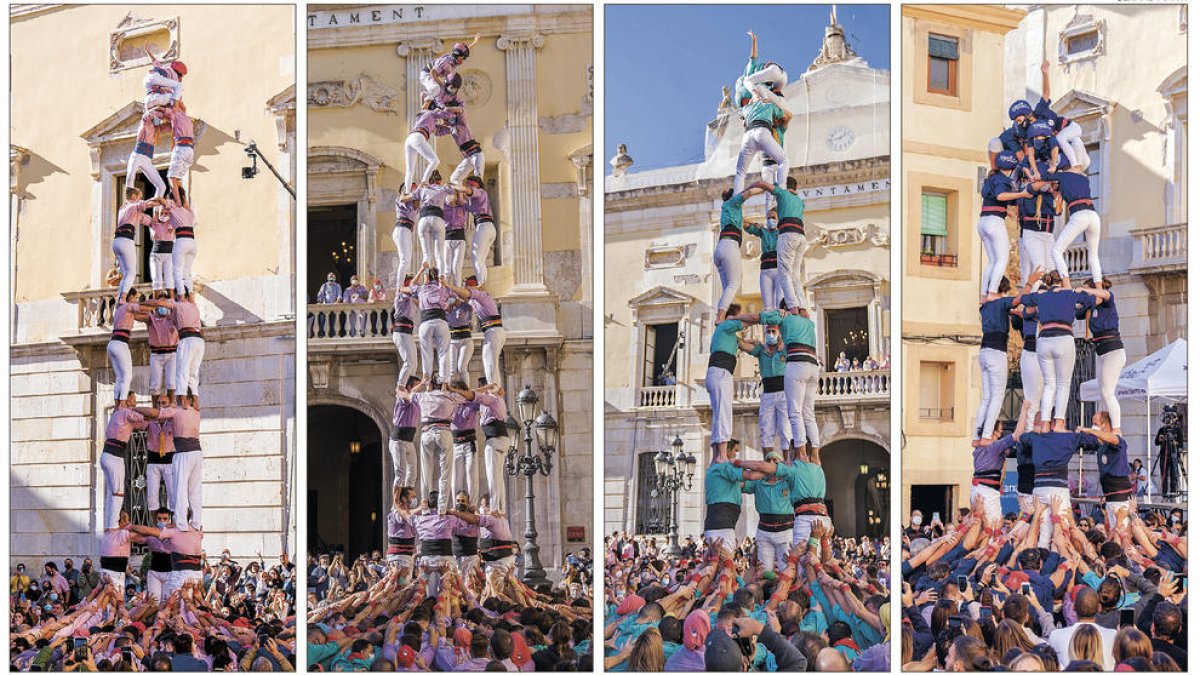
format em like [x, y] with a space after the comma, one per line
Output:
[67, 166]
[528, 95]
[1121, 74]
[660, 230]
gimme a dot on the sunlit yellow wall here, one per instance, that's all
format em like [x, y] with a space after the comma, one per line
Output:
[562, 85]
[237, 58]
[944, 145]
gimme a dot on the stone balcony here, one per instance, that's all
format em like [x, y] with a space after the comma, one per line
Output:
[832, 388]
[95, 306]
[1159, 249]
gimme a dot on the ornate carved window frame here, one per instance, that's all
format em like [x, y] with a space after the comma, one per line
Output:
[133, 27]
[1079, 26]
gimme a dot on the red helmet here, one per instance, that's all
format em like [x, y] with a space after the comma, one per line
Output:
[179, 68]
[461, 50]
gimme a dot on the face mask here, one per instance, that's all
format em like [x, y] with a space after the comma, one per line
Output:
[916, 520]
[1039, 144]
[330, 280]
[162, 311]
[772, 338]
[54, 597]
[412, 504]
[772, 223]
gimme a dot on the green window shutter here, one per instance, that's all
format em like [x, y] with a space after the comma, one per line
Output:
[943, 48]
[933, 215]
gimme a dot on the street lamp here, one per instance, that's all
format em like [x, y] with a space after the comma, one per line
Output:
[674, 472]
[544, 430]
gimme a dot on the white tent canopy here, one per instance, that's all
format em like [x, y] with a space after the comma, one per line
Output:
[1162, 374]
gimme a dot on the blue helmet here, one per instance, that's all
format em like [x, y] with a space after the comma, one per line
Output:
[1039, 128]
[1018, 108]
[1006, 161]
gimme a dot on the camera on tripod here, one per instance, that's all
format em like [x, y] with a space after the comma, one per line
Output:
[1170, 416]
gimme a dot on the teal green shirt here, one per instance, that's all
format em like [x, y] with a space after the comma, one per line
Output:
[724, 337]
[770, 364]
[774, 499]
[793, 328]
[731, 212]
[787, 204]
[769, 236]
[723, 484]
[761, 111]
[807, 479]
[752, 66]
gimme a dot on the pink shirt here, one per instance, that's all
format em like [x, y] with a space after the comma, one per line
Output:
[160, 436]
[434, 526]
[115, 544]
[186, 315]
[184, 130]
[433, 296]
[186, 421]
[492, 408]
[181, 216]
[156, 545]
[122, 422]
[133, 213]
[434, 195]
[187, 543]
[437, 404]
[161, 331]
[123, 316]
[161, 229]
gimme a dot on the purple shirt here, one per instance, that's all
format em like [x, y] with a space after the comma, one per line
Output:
[459, 316]
[161, 330]
[437, 404]
[122, 423]
[434, 195]
[444, 65]
[685, 660]
[406, 414]
[160, 436]
[990, 457]
[492, 408]
[431, 525]
[465, 417]
[355, 294]
[494, 527]
[478, 203]
[398, 526]
[405, 210]
[433, 296]
[406, 305]
[455, 217]
[459, 131]
[429, 122]
[483, 303]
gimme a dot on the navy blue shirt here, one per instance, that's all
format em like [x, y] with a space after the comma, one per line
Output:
[994, 185]
[1057, 307]
[1013, 138]
[1051, 453]
[1074, 187]
[1043, 111]
[1037, 213]
[1112, 461]
[994, 314]
[1104, 318]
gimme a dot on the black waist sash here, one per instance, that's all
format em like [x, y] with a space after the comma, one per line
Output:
[431, 211]
[160, 561]
[113, 446]
[114, 563]
[722, 516]
[723, 360]
[185, 562]
[436, 547]
[997, 341]
[798, 351]
[433, 314]
[402, 434]
[776, 522]
[401, 545]
[495, 429]
[464, 545]
[772, 384]
[492, 550]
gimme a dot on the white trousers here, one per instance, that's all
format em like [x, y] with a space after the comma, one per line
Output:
[416, 145]
[993, 371]
[402, 237]
[757, 81]
[469, 165]
[1046, 496]
[727, 536]
[754, 141]
[406, 349]
[493, 468]
[1108, 370]
[436, 444]
[117, 578]
[503, 565]
[122, 364]
[429, 86]
[432, 231]
[802, 530]
[162, 271]
[1036, 251]
[991, 501]
[719, 384]
[464, 468]
[481, 249]
[770, 286]
[139, 162]
[183, 254]
[181, 161]
[461, 352]
[177, 579]
[188, 468]
[728, 258]
[773, 425]
[454, 255]
[995, 244]
[434, 337]
[773, 549]
[467, 564]
[404, 462]
[1112, 511]
[789, 249]
[1056, 358]
[800, 385]
[493, 346]
[156, 584]
[1070, 144]
[162, 373]
[125, 251]
[188, 357]
[158, 475]
[1086, 223]
[113, 468]
[1031, 384]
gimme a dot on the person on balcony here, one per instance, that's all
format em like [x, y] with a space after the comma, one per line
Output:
[774, 430]
[355, 294]
[842, 364]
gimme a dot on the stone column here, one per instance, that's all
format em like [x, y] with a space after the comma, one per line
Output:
[524, 176]
[583, 167]
[416, 54]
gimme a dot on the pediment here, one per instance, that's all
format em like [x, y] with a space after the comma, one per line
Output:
[123, 125]
[1077, 103]
[284, 100]
[336, 159]
[660, 296]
